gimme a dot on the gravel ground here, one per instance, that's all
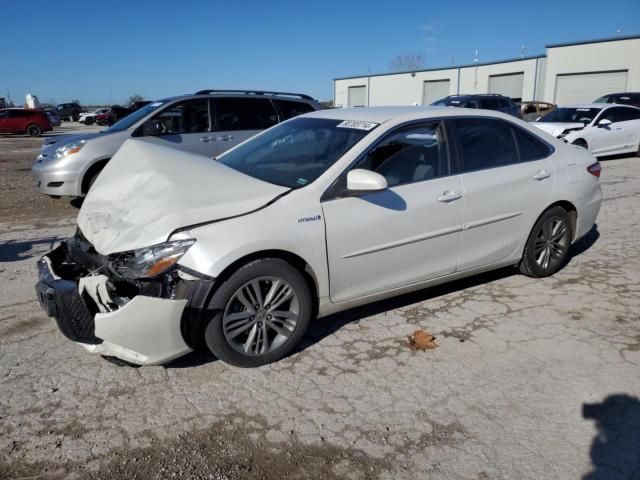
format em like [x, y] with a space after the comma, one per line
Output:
[532, 379]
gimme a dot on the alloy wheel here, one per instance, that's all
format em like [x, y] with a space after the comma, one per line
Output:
[260, 316]
[551, 242]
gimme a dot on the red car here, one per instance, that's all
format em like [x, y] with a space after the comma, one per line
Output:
[24, 120]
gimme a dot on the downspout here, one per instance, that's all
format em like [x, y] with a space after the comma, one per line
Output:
[368, 91]
[458, 92]
[535, 80]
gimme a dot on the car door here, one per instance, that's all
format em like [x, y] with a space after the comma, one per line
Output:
[4, 121]
[184, 125]
[406, 234]
[239, 118]
[630, 124]
[607, 139]
[507, 179]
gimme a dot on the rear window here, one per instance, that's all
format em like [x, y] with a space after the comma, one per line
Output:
[290, 109]
[244, 114]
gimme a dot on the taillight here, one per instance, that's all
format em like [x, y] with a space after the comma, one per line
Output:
[594, 169]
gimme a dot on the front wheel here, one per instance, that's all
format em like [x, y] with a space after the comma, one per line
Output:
[34, 130]
[88, 121]
[547, 248]
[260, 314]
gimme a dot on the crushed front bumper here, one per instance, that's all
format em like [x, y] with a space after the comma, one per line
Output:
[145, 330]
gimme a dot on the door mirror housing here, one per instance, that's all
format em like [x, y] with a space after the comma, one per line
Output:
[361, 180]
[605, 122]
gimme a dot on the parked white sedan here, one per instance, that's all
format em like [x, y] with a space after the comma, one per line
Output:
[324, 212]
[89, 118]
[602, 129]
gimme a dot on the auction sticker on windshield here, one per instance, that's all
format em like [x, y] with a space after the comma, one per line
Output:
[357, 125]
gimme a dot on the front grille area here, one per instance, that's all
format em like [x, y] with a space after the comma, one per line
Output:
[73, 317]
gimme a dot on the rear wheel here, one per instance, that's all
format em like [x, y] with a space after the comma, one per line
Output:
[261, 313]
[581, 143]
[75, 116]
[547, 248]
[88, 121]
[34, 130]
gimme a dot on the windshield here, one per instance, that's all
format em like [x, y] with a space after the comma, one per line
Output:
[449, 102]
[571, 115]
[132, 118]
[295, 153]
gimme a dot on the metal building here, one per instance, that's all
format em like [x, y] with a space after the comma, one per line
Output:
[567, 73]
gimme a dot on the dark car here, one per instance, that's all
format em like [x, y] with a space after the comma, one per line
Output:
[67, 111]
[486, 101]
[627, 98]
[29, 121]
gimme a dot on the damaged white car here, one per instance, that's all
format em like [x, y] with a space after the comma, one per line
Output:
[601, 128]
[324, 212]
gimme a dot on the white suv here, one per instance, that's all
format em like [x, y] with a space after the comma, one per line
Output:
[324, 212]
[208, 122]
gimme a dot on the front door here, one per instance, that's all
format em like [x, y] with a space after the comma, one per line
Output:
[184, 125]
[239, 118]
[403, 235]
[608, 139]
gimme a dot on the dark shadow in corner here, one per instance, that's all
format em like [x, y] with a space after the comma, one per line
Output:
[615, 451]
[77, 202]
[585, 243]
[12, 251]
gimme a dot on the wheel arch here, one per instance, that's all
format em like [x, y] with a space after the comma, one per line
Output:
[571, 210]
[88, 174]
[194, 320]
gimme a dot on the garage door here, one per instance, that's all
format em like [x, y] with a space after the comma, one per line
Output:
[509, 85]
[357, 96]
[586, 87]
[434, 90]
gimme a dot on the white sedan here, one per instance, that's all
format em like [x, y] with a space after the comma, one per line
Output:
[89, 118]
[321, 213]
[602, 129]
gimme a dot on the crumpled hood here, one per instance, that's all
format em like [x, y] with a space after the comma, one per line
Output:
[556, 128]
[59, 140]
[147, 191]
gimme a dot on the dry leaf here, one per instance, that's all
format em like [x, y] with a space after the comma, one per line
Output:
[421, 340]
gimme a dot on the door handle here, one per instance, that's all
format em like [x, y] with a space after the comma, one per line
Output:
[207, 139]
[449, 196]
[541, 175]
[225, 138]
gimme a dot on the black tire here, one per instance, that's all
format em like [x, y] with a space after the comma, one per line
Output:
[75, 116]
[223, 299]
[88, 121]
[540, 242]
[33, 130]
[581, 143]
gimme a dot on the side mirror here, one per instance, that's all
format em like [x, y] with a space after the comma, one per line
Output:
[152, 127]
[360, 180]
[605, 122]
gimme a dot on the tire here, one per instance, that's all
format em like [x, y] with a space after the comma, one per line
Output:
[581, 143]
[89, 181]
[88, 121]
[33, 130]
[547, 252]
[75, 116]
[235, 314]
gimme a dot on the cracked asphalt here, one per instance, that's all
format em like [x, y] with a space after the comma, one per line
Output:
[532, 379]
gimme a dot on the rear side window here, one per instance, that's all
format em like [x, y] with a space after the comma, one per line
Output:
[290, 109]
[489, 103]
[485, 143]
[529, 147]
[244, 114]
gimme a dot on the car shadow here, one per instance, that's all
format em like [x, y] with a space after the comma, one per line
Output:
[16, 251]
[615, 450]
[585, 243]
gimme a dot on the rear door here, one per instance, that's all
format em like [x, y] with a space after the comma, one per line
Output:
[183, 125]
[508, 178]
[240, 118]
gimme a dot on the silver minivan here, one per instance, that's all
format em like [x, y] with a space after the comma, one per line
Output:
[208, 123]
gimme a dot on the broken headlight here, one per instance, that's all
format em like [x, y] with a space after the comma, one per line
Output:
[149, 261]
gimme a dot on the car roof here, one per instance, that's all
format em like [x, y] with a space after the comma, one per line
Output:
[621, 93]
[385, 114]
[587, 105]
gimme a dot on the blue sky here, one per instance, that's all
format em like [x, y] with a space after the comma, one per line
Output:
[94, 51]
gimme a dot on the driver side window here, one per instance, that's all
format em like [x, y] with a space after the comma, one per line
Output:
[187, 117]
[410, 155]
[614, 115]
